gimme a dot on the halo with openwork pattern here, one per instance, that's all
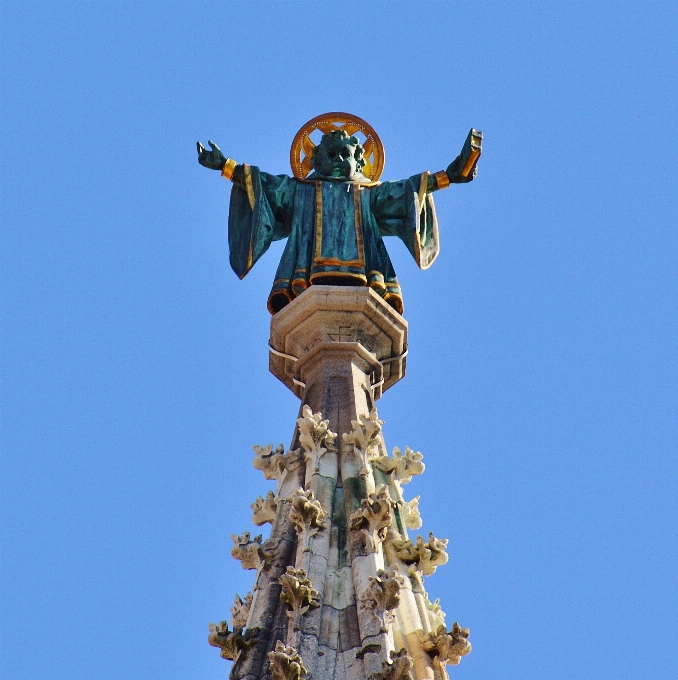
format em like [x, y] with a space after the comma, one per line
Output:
[302, 146]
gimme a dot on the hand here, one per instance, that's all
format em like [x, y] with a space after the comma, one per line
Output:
[454, 171]
[212, 159]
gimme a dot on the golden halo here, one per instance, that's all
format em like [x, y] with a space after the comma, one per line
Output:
[302, 146]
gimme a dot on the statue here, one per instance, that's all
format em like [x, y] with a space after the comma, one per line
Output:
[334, 211]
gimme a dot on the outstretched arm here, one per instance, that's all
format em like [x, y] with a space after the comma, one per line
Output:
[464, 167]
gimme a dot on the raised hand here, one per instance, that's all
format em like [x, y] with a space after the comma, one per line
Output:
[464, 167]
[212, 159]
[454, 171]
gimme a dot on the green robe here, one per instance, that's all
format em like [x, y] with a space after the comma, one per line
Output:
[334, 230]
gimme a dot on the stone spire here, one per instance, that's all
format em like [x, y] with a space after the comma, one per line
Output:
[339, 591]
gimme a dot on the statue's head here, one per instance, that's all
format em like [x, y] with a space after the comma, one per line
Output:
[338, 156]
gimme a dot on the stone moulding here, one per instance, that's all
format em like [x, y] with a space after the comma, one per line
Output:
[298, 594]
[241, 610]
[264, 509]
[423, 557]
[382, 596]
[401, 467]
[365, 439]
[274, 464]
[399, 668]
[231, 643]
[307, 515]
[372, 519]
[285, 663]
[251, 553]
[444, 647]
[315, 436]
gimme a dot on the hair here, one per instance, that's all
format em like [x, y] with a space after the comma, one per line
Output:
[342, 136]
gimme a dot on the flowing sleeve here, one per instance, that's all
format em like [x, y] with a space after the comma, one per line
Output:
[405, 208]
[260, 212]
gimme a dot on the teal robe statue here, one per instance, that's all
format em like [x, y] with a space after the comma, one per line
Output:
[334, 230]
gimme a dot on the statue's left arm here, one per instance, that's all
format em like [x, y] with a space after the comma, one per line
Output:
[405, 208]
[463, 168]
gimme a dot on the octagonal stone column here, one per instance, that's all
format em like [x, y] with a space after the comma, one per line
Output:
[332, 326]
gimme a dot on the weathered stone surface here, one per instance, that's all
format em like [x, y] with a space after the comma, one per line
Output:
[424, 557]
[232, 643]
[286, 664]
[324, 316]
[445, 647]
[307, 515]
[251, 553]
[399, 668]
[298, 594]
[378, 600]
[315, 438]
[339, 592]
[264, 509]
[370, 521]
[365, 440]
[241, 610]
[274, 463]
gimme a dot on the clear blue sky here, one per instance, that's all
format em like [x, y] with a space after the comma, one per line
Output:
[541, 382]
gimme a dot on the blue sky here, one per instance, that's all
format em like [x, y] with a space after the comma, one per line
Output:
[541, 382]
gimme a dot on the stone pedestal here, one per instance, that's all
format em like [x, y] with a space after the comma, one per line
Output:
[339, 590]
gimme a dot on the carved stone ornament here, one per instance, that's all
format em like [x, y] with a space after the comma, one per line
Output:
[241, 610]
[250, 553]
[400, 667]
[264, 509]
[307, 514]
[383, 595]
[285, 663]
[298, 594]
[424, 557]
[365, 438]
[274, 463]
[410, 514]
[373, 518]
[445, 647]
[231, 643]
[315, 436]
[436, 615]
[403, 467]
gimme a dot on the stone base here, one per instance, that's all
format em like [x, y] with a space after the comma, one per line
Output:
[338, 325]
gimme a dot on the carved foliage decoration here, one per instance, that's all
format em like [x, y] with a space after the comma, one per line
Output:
[285, 663]
[373, 518]
[263, 509]
[383, 595]
[307, 515]
[436, 615]
[403, 467]
[365, 438]
[231, 643]
[315, 436]
[241, 610]
[424, 557]
[445, 647]
[251, 553]
[400, 667]
[274, 463]
[298, 594]
[410, 513]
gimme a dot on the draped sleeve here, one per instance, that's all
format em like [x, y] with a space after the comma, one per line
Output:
[260, 212]
[405, 208]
